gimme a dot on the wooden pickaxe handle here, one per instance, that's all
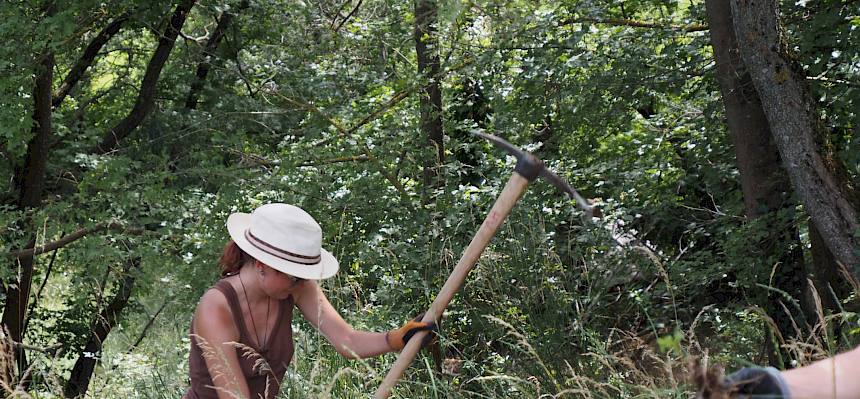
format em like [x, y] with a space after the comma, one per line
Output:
[512, 192]
[527, 169]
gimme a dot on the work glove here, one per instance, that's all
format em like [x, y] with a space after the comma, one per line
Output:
[757, 382]
[398, 338]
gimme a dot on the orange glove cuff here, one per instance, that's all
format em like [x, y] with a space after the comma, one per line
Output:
[398, 338]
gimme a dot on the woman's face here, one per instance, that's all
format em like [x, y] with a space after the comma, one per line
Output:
[276, 284]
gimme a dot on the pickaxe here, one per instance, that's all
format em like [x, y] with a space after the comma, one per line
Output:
[528, 168]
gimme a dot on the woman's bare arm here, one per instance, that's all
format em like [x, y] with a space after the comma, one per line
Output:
[837, 377]
[216, 335]
[350, 343]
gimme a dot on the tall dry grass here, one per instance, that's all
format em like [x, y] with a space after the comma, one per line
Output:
[15, 384]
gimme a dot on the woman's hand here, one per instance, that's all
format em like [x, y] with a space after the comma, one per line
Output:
[398, 338]
[754, 382]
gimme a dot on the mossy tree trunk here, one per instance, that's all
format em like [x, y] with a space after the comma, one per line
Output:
[765, 185]
[816, 175]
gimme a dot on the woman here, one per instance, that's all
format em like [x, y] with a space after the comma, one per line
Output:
[271, 265]
[837, 377]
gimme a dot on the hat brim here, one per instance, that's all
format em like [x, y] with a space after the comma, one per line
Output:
[238, 223]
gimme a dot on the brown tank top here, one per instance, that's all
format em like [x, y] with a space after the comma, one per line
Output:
[265, 383]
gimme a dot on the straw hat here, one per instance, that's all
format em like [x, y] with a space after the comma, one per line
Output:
[285, 238]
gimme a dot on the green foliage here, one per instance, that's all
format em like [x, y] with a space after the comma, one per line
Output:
[296, 111]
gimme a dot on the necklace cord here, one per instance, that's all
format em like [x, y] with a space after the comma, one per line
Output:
[265, 339]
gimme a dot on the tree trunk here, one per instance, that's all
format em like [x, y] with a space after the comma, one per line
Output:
[30, 181]
[203, 68]
[100, 327]
[797, 129]
[826, 276]
[763, 181]
[146, 95]
[765, 185]
[427, 51]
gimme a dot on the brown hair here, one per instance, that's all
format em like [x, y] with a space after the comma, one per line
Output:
[232, 259]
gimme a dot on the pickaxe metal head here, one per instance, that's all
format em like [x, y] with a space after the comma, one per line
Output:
[530, 167]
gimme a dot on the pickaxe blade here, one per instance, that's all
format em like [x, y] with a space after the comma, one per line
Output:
[530, 167]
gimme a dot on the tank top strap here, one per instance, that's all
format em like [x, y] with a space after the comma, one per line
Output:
[235, 308]
[284, 314]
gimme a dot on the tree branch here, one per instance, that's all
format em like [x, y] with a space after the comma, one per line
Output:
[385, 107]
[100, 327]
[148, 325]
[310, 107]
[370, 117]
[351, 158]
[833, 80]
[50, 350]
[348, 16]
[79, 112]
[72, 237]
[41, 288]
[145, 98]
[87, 58]
[635, 24]
[335, 14]
[208, 54]
[344, 132]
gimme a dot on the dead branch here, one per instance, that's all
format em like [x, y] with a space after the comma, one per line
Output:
[72, 237]
[353, 158]
[148, 325]
[348, 16]
[636, 24]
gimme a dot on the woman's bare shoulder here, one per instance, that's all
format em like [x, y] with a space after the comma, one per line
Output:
[213, 299]
[213, 312]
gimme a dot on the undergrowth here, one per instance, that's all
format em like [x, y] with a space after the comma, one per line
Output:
[581, 319]
[620, 365]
